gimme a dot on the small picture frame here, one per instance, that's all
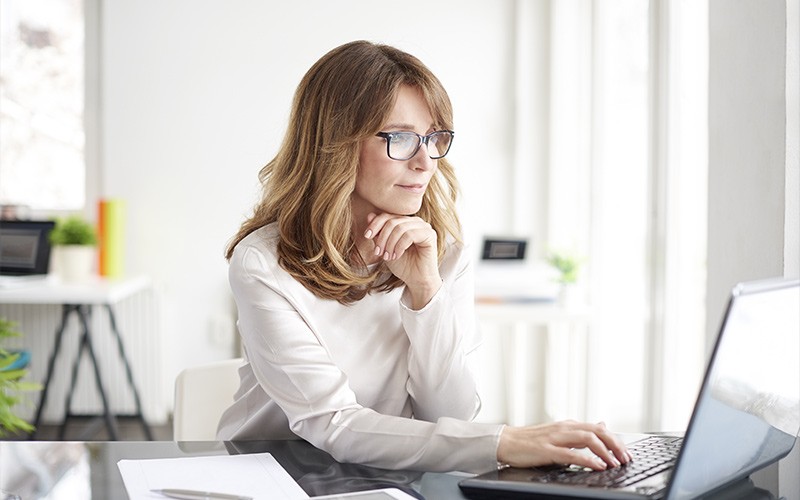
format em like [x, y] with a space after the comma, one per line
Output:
[24, 247]
[504, 249]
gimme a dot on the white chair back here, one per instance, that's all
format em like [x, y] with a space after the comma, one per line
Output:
[202, 393]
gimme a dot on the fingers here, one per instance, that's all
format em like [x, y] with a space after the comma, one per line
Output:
[604, 444]
[600, 441]
[576, 457]
[614, 444]
[563, 443]
[393, 234]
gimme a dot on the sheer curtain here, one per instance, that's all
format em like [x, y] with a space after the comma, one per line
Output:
[613, 95]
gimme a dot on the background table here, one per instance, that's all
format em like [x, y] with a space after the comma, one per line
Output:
[78, 299]
[569, 346]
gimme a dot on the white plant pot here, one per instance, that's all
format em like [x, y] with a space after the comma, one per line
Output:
[569, 296]
[74, 263]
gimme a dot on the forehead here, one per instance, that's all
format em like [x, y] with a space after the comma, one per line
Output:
[410, 110]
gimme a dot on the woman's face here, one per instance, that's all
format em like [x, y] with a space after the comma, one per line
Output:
[387, 185]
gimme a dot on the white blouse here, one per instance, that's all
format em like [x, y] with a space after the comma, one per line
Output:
[372, 382]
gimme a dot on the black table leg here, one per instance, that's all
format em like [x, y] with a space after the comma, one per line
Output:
[50, 364]
[84, 312]
[73, 381]
[111, 423]
[139, 414]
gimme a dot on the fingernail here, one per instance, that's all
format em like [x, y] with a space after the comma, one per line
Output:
[368, 234]
[386, 256]
[600, 464]
[377, 250]
[394, 256]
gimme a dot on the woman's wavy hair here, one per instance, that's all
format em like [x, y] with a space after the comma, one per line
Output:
[343, 99]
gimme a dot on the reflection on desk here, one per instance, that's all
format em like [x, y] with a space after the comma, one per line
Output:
[66, 470]
[32, 469]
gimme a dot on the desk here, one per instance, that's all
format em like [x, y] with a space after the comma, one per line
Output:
[78, 299]
[570, 345]
[89, 470]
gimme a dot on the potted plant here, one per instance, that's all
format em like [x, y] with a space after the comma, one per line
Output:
[74, 240]
[12, 369]
[567, 266]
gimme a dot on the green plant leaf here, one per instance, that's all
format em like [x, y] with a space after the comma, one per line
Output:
[567, 266]
[11, 384]
[7, 360]
[12, 374]
[73, 230]
[8, 329]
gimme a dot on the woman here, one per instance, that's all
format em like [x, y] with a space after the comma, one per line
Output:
[354, 290]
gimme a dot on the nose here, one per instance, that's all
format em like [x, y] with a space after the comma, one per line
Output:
[422, 160]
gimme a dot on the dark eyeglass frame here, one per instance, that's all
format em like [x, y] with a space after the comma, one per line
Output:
[423, 139]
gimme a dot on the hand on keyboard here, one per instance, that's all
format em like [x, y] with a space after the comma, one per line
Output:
[560, 443]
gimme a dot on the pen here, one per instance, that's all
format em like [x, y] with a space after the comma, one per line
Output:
[198, 495]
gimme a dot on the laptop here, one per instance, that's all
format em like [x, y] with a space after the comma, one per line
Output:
[746, 416]
[24, 247]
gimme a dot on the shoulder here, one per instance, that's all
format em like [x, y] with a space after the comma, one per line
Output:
[254, 271]
[263, 240]
[256, 254]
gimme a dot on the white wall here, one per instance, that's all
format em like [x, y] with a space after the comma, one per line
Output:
[746, 146]
[789, 469]
[195, 96]
[789, 479]
[753, 214]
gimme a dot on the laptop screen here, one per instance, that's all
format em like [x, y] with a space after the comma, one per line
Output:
[24, 247]
[748, 411]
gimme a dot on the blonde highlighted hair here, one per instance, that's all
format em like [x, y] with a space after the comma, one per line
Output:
[343, 99]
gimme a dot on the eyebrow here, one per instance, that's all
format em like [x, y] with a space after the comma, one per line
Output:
[405, 126]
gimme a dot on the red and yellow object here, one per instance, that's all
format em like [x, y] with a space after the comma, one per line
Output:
[111, 232]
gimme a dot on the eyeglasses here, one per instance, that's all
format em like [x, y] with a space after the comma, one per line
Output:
[403, 146]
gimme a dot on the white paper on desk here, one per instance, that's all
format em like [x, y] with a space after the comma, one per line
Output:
[257, 475]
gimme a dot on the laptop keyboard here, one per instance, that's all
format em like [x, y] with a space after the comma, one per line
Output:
[651, 455]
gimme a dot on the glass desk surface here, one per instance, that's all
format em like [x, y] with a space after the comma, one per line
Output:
[88, 470]
[70, 469]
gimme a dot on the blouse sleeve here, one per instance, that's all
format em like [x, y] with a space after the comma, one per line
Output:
[442, 335]
[293, 367]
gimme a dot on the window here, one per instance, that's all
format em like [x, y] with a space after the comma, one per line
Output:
[627, 189]
[679, 245]
[599, 178]
[42, 140]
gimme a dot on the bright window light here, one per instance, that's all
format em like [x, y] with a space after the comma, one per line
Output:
[41, 104]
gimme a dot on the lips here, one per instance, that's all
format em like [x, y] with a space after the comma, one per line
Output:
[414, 188]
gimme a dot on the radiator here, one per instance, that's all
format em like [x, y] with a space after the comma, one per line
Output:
[138, 321]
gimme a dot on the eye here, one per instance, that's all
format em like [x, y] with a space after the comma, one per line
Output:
[404, 139]
[440, 140]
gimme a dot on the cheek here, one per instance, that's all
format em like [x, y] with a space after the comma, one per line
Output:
[375, 171]
[368, 179]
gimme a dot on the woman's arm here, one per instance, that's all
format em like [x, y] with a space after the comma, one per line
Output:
[437, 311]
[294, 367]
[442, 336]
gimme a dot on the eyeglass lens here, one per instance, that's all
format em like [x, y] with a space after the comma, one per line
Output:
[404, 145]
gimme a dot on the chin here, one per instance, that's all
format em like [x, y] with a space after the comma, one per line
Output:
[407, 210]
[400, 205]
